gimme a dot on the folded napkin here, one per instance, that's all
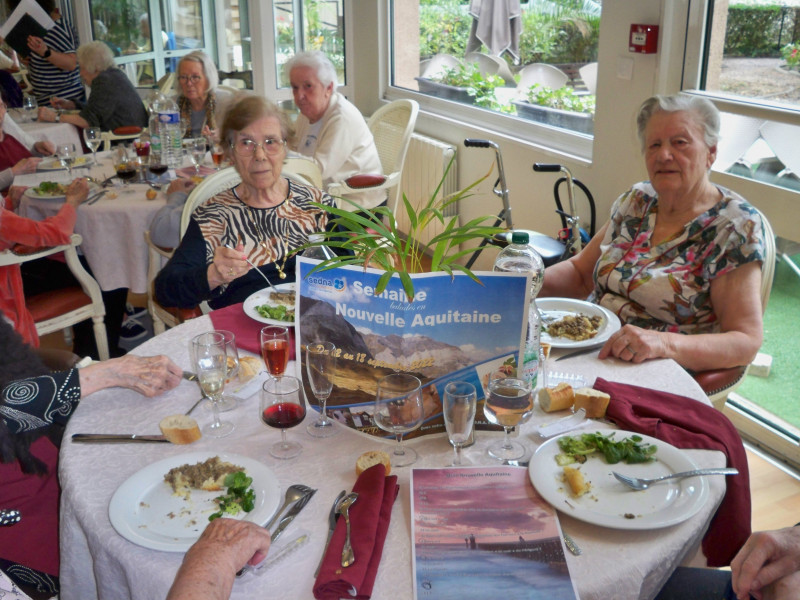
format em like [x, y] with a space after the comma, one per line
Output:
[687, 423]
[246, 330]
[369, 522]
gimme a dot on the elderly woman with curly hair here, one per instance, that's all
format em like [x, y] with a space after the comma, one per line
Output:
[201, 104]
[113, 101]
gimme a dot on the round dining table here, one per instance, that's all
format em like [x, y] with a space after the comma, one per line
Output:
[97, 562]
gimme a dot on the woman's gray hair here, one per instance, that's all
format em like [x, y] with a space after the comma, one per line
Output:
[95, 57]
[246, 108]
[703, 110]
[317, 60]
[209, 68]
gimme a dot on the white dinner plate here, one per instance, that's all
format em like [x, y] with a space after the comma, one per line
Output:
[610, 503]
[55, 165]
[561, 307]
[262, 297]
[32, 193]
[144, 510]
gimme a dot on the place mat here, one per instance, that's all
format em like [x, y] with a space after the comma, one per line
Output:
[369, 522]
[687, 423]
[246, 330]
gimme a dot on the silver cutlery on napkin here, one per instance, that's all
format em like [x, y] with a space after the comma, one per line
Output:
[348, 557]
[333, 516]
[103, 438]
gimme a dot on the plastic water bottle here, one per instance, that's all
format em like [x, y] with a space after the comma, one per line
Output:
[169, 129]
[519, 257]
[320, 252]
[152, 125]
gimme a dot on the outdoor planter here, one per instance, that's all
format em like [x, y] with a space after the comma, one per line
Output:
[575, 121]
[444, 91]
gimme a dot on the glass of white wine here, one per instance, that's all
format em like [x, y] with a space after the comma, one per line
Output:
[66, 154]
[94, 138]
[399, 410]
[460, 399]
[509, 404]
[210, 363]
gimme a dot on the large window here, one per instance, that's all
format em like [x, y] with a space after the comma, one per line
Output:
[533, 62]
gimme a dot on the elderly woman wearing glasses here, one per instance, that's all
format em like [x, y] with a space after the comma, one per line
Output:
[263, 219]
[200, 103]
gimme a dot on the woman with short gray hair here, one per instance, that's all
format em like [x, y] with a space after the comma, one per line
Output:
[113, 101]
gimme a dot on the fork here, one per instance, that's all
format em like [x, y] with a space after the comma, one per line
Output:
[257, 270]
[292, 513]
[639, 483]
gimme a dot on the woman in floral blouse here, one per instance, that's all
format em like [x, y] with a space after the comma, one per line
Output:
[680, 255]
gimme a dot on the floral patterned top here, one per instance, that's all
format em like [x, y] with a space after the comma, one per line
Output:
[668, 287]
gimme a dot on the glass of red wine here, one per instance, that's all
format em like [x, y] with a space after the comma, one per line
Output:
[125, 168]
[275, 349]
[282, 406]
[157, 167]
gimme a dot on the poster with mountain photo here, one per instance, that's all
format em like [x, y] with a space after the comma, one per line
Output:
[454, 329]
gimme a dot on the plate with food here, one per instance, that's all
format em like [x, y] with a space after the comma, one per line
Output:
[570, 323]
[53, 190]
[54, 164]
[588, 490]
[272, 305]
[164, 505]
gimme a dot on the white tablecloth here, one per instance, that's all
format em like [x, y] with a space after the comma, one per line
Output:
[112, 228]
[96, 562]
[58, 133]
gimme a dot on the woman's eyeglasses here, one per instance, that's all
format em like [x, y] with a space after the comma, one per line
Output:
[195, 79]
[247, 147]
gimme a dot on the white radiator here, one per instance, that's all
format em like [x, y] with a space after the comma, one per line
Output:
[426, 162]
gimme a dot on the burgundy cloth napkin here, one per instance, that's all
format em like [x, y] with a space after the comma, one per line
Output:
[369, 522]
[687, 423]
[246, 330]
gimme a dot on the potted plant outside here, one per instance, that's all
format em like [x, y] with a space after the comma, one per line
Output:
[562, 107]
[465, 84]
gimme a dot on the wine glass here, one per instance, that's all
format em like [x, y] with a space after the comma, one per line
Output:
[282, 406]
[197, 147]
[210, 363]
[217, 153]
[142, 148]
[275, 349]
[66, 154]
[126, 170]
[460, 399]
[31, 107]
[94, 138]
[320, 367]
[228, 401]
[509, 403]
[398, 410]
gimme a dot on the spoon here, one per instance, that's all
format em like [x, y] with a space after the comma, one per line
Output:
[348, 558]
[639, 483]
[293, 494]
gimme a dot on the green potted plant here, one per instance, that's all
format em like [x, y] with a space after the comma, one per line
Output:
[465, 84]
[372, 238]
[563, 107]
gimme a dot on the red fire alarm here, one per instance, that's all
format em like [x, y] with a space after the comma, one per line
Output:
[644, 39]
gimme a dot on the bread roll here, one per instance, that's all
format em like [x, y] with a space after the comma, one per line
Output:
[180, 429]
[371, 458]
[592, 401]
[574, 478]
[558, 398]
[249, 367]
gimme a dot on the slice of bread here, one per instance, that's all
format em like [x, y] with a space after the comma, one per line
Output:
[592, 401]
[556, 398]
[577, 484]
[180, 429]
[249, 367]
[371, 458]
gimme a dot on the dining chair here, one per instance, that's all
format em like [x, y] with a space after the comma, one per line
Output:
[303, 169]
[391, 127]
[120, 133]
[435, 66]
[492, 65]
[162, 316]
[60, 309]
[589, 75]
[719, 384]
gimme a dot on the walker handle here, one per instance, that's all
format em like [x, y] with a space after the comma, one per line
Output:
[546, 168]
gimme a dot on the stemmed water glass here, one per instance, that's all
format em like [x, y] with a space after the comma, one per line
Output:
[320, 367]
[31, 107]
[93, 137]
[398, 410]
[142, 148]
[210, 363]
[66, 154]
[228, 401]
[460, 399]
[509, 403]
[275, 349]
[282, 406]
[197, 147]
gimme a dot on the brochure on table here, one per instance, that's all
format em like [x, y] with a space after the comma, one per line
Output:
[454, 329]
[484, 532]
[27, 19]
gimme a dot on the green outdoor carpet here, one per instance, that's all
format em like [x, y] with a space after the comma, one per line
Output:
[777, 393]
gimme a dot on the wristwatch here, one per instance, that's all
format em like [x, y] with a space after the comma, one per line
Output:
[47, 53]
[58, 117]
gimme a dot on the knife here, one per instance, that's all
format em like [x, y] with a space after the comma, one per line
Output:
[95, 198]
[332, 518]
[102, 438]
[579, 352]
[291, 514]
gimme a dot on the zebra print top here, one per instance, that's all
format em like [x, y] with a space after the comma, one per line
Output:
[225, 220]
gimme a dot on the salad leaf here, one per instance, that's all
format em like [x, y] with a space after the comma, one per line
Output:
[629, 450]
[239, 497]
[279, 312]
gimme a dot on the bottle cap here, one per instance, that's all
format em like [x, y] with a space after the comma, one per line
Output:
[519, 237]
[316, 237]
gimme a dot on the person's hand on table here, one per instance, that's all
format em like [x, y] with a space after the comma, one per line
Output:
[77, 192]
[769, 561]
[47, 115]
[634, 344]
[180, 185]
[210, 565]
[228, 264]
[26, 165]
[45, 147]
[61, 103]
[15, 195]
[148, 375]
